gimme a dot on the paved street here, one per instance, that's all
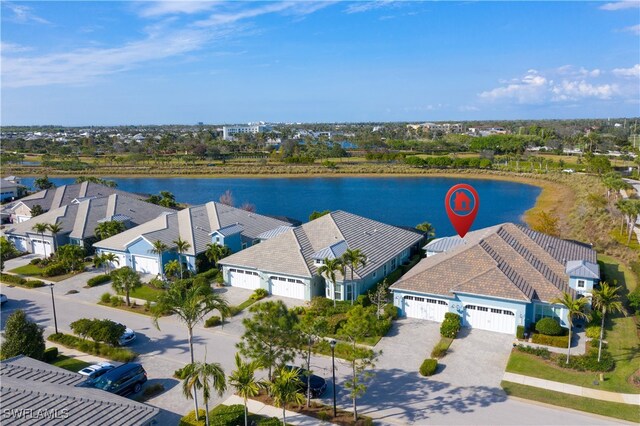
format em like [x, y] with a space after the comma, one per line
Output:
[465, 391]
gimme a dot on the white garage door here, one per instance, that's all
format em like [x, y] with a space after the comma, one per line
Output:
[20, 243]
[425, 308]
[40, 246]
[244, 279]
[492, 319]
[145, 265]
[287, 287]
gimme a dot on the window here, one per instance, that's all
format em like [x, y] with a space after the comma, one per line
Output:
[338, 293]
[542, 311]
[349, 291]
[375, 274]
[244, 246]
[393, 264]
[384, 269]
[581, 283]
[217, 239]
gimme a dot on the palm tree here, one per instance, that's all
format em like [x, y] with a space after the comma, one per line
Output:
[244, 381]
[40, 228]
[171, 268]
[607, 299]
[428, 230]
[124, 280]
[181, 246]
[98, 260]
[575, 308]
[158, 248]
[328, 270]
[215, 252]
[198, 375]
[110, 258]
[354, 259]
[285, 389]
[55, 229]
[190, 305]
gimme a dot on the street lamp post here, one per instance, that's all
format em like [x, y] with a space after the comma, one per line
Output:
[332, 343]
[53, 302]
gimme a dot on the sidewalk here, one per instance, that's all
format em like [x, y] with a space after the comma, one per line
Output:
[624, 398]
[257, 407]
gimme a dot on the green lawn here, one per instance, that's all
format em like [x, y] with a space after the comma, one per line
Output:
[610, 409]
[145, 292]
[69, 363]
[35, 271]
[612, 271]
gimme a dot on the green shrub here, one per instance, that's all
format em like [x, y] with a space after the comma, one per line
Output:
[335, 322]
[451, 325]
[383, 326]
[50, 354]
[98, 279]
[555, 341]
[99, 349]
[105, 298]
[541, 352]
[441, 348]
[116, 301]
[234, 310]
[157, 283]
[35, 261]
[428, 367]
[549, 327]
[363, 300]
[33, 284]
[390, 311]
[180, 373]
[12, 279]
[520, 332]
[54, 269]
[259, 293]
[213, 321]
[321, 305]
[298, 310]
[589, 361]
[190, 419]
[209, 275]
[224, 415]
[634, 299]
[593, 331]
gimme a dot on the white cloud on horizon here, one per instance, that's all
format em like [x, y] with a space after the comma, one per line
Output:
[365, 6]
[634, 71]
[150, 9]
[620, 5]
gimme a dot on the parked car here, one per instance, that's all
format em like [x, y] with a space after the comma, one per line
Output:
[95, 371]
[128, 378]
[127, 337]
[318, 384]
[3, 299]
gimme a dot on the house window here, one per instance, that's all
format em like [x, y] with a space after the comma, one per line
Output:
[349, 291]
[393, 264]
[384, 269]
[217, 239]
[375, 274]
[543, 311]
[581, 283]
[244, 246]
[338, 293]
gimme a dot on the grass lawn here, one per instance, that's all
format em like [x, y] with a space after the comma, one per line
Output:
[145, 292]
[610, 409]
[138, 309]
[35, 271]
[613, 271]
[69, 363]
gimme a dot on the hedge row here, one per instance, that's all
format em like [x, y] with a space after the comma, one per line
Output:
[428, 367]
[98, 279]
[556, 341]
[14, 279]
[93, 348]
[451, 325]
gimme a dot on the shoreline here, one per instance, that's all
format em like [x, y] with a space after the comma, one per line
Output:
[548, 199]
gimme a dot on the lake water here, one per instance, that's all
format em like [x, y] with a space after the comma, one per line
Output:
[404, 201]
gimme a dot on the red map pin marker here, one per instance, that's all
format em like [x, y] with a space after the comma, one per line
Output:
[462, 204]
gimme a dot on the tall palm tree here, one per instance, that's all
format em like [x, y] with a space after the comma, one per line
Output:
[40, 228]
[607, 299]
[328, 270]
[171, 268]
[354, 259]
[109, 259]
[55, 229]
[575, 308]
[285, 389]
[124, 280]
[243, 380]
[158, 248]
[181, 246]
[98, 260]
[199, 375]
[190, 305]
[428, 229]
[215, 252]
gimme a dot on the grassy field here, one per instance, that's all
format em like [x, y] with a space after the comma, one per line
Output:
[36, 272]
[69, 363]
[610, 409]
[145, 292]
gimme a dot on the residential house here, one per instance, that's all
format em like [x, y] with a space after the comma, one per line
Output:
[34, 392]
[50, 199]
[10, 188]
[497, 278]
[79, 221]
[211, 223]
[286, 262]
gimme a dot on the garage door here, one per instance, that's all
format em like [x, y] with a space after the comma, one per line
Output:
[39, 247]
[145, 265]
[287, 287]
[244, 279]
[425, 308]
[492, 319]
[20, 243]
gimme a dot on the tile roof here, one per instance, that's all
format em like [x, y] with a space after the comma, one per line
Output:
[504, 261]
[274, 232]
[27, 384]
[194, 225]
[332, 252]
[583, 269]
[292, 251]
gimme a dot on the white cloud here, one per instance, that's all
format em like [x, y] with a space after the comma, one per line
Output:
[23, 14]
[634, 71]
[365, 6]
[573, 71]
[298, 9]
[620, 5]
[160, 8]
[635, 29]
[528, 89]
[573, 90]
[7, 48]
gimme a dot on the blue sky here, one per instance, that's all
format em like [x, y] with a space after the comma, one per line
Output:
[144, 62]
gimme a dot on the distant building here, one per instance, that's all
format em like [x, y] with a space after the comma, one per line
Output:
[229, 132]
[438, 127]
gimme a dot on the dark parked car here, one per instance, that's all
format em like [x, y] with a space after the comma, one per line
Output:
[318, 384]
[123, 380]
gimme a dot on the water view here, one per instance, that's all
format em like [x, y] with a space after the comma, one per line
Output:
[404, 201]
